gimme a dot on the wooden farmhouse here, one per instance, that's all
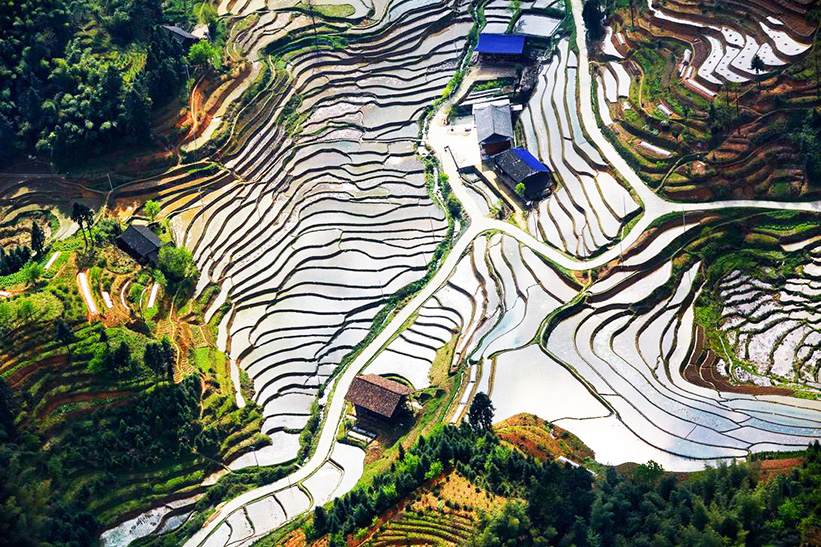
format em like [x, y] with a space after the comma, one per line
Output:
[376, 397]
[516, 166]
[500, 48]
[141, 243]
[494, 128]
[182, 36]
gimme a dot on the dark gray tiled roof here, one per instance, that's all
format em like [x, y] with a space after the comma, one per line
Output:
[493, 123]
[518, 164]
[185, 35]
[141, 240]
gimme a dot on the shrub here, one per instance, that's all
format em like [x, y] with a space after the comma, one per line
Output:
[176, 263]
[135, 292]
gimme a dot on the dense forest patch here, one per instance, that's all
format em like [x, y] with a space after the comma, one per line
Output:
[555, 504]
[80, 77]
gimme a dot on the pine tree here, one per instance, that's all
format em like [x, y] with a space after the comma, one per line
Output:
[169, 356]
[83, 216]
[152, 357]
[38, 239]
[7, 410]
[64, 335]
[481, 411]
[121, 359]
[757, 64]
[137, 112]
[320, 521]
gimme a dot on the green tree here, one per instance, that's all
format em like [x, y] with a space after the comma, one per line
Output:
[648, 473]
[79, 214]
[203, 55]
[121, 360]
[169, 356]
[6, 316]
[160, 358]
[481, 411]
[64, 335]
[32, 272]
[758, 65]
[7, 411]
[510, 526]
[152, 209]
[137, 112]
[435, 470]
[152, 357]
[26, 310]
[700, 515]
[38, 239]
[591, 13]
[520, 189]
[176, 263]
[320, 521]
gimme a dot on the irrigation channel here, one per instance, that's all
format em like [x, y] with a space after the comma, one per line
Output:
[610, 375]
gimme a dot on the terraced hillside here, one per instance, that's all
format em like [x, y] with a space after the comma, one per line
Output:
[327, 234]
[313, 214]
[495, 301]
[425, 529]
[317, 230]
[759, 317]
[588, 210]
[603, 351]
[707, 100]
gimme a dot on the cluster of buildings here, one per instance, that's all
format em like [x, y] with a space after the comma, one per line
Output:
[522, 173]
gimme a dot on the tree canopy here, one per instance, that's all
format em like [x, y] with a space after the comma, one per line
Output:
[152, 209]
[176, 262]
[480, 414]
[79, 76]
[160, 357]
[38, 239]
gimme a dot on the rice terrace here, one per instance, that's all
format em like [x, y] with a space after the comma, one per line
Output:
[410, 272]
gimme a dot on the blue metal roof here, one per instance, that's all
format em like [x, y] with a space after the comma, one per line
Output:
[501, 44]
[530, 160]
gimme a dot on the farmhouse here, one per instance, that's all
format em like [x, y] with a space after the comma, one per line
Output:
[518, 166]
[500, 48]
[376, 397]
[180, 35]
[494, 127]
[141, 243]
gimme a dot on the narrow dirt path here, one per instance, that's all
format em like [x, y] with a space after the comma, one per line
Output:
[83, 397]
[196, 99]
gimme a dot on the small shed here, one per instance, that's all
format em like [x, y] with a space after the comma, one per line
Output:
[494, 127]
[376, 397]
[500, 48]
[516, 166]
[182, 36]
[141, 243]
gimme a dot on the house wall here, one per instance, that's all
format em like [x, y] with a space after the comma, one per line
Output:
[488, 59]
[493, 148]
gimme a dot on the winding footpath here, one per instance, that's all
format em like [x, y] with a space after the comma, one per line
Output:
[437, 140]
